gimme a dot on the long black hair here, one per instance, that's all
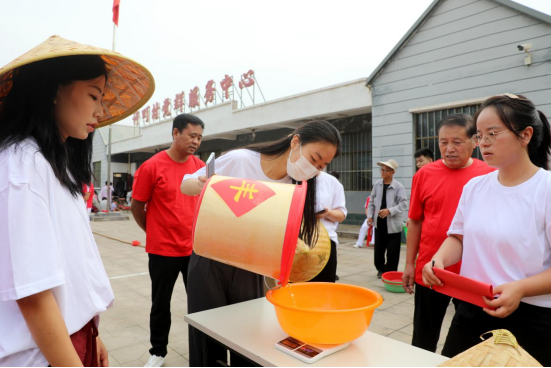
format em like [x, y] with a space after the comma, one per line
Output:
[518, 113]
[312, 132]
[28, 112]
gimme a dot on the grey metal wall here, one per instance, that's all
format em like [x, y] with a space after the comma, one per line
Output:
[466, 49]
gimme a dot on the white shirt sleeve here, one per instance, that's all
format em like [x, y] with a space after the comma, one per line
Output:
[223, 166]
[456, 227]
[339, 200]
[30, 257]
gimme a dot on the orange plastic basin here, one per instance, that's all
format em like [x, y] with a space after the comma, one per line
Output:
[324, 313]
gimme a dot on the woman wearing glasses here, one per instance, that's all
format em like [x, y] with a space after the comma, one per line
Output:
[502, 229]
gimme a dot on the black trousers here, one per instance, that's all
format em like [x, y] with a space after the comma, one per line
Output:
[389, 244]
[430, 309]
[164, 272]
[529, 323]
[211, 285]
[330, 270]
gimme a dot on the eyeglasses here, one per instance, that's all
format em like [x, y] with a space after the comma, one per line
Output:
[489, 138]
[385, 171]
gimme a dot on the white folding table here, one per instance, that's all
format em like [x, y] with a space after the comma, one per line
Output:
[251, 329]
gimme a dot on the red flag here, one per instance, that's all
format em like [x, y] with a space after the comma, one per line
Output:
[116, 11]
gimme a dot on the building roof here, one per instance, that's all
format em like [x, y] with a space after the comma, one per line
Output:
[118, 133]
[511, 4]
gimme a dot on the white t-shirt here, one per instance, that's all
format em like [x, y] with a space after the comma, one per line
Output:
[243, 163]
[46, 244]
[104, 205]
[330, 195]
[103, 191]
[506, 230]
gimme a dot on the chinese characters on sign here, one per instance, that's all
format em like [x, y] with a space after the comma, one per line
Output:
[166, 108]
[226, 83]
[209, 95]
[146, 114]
[155, 112]
[247, 79]
[179, 102]
[151, 114]
[136, 118]
[194, 98]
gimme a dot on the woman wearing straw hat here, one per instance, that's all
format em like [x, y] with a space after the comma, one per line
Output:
[52, 282]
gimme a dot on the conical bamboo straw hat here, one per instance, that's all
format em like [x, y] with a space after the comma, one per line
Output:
[501, 350]
[129, 84]
[309, 262]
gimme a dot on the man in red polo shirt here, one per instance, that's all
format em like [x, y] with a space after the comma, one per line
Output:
[167, 222]
[88, 195]
[435, 194]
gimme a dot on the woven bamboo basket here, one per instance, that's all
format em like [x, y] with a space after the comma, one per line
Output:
[500, 350]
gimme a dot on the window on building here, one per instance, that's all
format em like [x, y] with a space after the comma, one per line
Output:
[354, 162]
[426, 123]
[97, 174]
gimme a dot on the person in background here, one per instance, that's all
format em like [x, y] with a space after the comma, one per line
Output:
[115, 204]
[103, 191]
[120, 187]
[434, 197]
[88, 196]
[167, 223]
[423, 156]
[330, 199]
[365, 230]
[104, 205]
[388, 201]
[95, 201]
[501, 231]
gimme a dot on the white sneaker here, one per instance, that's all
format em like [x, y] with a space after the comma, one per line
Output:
[155, 361]
[356, 246]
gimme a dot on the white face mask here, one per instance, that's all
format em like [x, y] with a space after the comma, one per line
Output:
[302, 169]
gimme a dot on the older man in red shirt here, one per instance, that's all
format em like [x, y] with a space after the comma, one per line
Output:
[435, 194]
[167, 222]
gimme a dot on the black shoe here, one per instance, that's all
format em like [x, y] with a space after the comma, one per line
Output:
[379, 274]
[336, 277]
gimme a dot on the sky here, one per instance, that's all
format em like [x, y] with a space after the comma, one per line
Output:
[292, 46]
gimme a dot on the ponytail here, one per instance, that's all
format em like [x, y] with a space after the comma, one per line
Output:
[539, 155]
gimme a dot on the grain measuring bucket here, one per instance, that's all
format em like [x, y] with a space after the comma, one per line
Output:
[249, 224]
